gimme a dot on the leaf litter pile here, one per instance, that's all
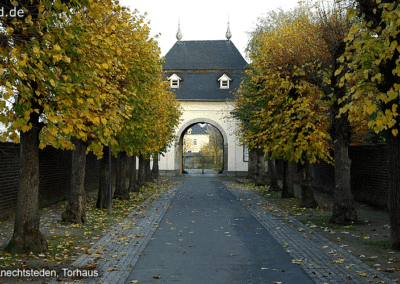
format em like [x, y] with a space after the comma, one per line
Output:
[68, 242]
[369, 242]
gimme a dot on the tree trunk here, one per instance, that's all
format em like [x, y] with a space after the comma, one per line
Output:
[27, 236]
[147, 170]
[252, 164]
[76, 209]
[260, 178]
[133, 186]
[141, 175]
[287, 188]
[393, 144]
[121, 190]
[103, 197]
[127, 173]
[113, 172]
[273, 175]
[155, 170]
[307, 193]
[343, 211]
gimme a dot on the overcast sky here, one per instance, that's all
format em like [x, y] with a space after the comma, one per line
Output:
[205, 19]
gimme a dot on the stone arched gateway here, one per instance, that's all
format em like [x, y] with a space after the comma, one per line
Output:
[179, 144]
[205, 76]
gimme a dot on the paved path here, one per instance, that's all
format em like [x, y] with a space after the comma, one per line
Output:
[208, 237]
[204, 232]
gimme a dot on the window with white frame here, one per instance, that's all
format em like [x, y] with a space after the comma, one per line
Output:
[245, 153]
[194, 141]
[174, 81]
[224, 81]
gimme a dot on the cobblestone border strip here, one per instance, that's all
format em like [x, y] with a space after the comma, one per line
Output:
[117, 252]
[322, 260]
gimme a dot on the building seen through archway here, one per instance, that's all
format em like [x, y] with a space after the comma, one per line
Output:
[203, 148]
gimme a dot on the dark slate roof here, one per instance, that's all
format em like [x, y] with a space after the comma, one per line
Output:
[197, 129]
[205, 86]
[207, 54]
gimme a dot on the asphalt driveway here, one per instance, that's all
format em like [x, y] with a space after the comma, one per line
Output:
[207, 236]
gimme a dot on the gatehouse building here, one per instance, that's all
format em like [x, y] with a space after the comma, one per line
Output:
[205, 75]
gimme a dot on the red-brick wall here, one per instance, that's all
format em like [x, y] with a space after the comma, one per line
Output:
[9, 167]
[369, 175]
[54, 175]
[323, 177]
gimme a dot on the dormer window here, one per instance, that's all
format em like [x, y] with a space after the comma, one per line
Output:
[224, 82]
[174, 81]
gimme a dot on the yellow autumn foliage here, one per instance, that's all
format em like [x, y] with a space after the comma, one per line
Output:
[367, 51]
[280, 112]
[93, 73]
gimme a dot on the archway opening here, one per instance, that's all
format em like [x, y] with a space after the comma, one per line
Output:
[202, 149]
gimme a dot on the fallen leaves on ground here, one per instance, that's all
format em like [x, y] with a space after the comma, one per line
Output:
[68, 241]
[369, 241]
